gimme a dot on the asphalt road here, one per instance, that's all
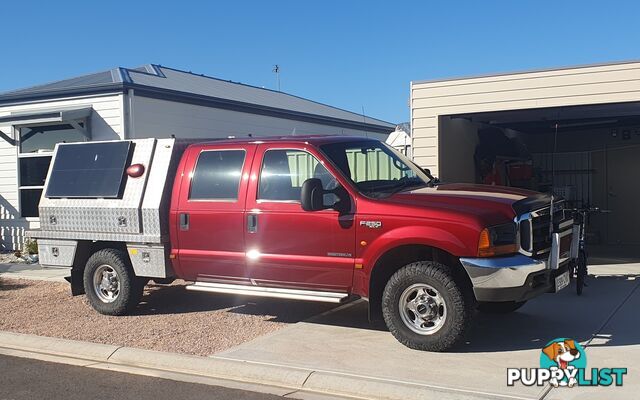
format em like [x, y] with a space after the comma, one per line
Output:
[22, 378]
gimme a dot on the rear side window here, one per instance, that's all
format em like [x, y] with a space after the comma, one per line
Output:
[217, 175]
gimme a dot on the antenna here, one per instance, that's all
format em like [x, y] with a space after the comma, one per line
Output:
[276, 70]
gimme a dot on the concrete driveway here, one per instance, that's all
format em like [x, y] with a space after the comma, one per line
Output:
[604, 319]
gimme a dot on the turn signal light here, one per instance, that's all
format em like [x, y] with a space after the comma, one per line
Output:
[497, 240]
[484, 243]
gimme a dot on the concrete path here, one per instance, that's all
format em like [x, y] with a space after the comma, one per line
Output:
[344, 342]
[33, 271]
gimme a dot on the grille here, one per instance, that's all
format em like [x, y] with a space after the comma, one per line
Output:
[535, 237]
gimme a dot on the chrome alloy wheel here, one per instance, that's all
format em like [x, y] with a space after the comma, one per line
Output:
[422, 309]
[106, 283]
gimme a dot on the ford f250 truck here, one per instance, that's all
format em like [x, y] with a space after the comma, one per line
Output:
[305, 218]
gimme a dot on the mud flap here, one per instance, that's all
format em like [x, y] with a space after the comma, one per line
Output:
[77, 285]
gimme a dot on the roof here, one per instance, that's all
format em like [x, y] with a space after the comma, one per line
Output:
[172, 84]
[490, 75]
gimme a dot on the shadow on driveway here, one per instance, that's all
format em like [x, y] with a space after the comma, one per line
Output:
[175, 299]
[564, 314]
[6, 285]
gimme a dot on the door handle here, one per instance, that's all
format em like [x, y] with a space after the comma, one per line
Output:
[252, 223]
[184, 221]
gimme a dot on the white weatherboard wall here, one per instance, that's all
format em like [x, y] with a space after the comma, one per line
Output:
[600, 84]
[106, 124]
[162, 118]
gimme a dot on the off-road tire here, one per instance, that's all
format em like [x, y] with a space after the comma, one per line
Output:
[499, 307]
[459, 306]
[130, 286]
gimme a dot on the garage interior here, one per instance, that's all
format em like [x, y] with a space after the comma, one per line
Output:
[590, 155]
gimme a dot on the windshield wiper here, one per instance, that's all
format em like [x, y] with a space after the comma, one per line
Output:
[404, 185]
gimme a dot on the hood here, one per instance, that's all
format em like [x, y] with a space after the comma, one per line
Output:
[490, 204]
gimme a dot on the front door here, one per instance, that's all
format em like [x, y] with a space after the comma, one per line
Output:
[287, 246]
[211, 214]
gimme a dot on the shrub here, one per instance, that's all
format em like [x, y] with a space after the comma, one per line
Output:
[31, 246]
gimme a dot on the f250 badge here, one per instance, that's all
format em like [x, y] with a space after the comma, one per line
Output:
[371, 224]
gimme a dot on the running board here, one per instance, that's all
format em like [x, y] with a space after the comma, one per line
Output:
[262, 291]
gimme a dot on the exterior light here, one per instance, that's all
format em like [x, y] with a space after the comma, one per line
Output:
[135, 170]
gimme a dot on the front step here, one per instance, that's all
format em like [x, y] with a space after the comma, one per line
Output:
[262, 291]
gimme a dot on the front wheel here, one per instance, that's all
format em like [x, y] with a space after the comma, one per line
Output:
[110, 284]
[425, 308]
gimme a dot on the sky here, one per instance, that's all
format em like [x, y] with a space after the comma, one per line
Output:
[356, 55]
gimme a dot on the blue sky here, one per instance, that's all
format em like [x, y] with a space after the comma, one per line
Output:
[348, 54]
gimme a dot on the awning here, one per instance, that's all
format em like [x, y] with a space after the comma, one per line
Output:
[70, 116]
[46, 116]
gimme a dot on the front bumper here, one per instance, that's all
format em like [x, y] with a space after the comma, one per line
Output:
[513, 278]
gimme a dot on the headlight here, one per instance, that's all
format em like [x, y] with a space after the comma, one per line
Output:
[497, 240]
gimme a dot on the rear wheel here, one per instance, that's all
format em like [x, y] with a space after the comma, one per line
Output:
[500, 307]
[424, 307]
[110, 284]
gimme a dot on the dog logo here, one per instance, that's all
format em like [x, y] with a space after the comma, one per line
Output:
[565, 355]
[563, 363]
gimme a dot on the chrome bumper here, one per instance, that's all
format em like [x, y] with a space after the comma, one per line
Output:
[516, 277]
[501, 272]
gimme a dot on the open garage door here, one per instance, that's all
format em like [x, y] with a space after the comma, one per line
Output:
[590, 155]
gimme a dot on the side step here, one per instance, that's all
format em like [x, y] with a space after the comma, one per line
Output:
[262, 291]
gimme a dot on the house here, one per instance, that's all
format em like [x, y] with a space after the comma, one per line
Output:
[130, 103]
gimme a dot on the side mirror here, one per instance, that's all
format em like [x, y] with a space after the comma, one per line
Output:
[312, 195]
[426, 171]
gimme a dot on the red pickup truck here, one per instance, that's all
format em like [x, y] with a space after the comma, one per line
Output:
[307, 218]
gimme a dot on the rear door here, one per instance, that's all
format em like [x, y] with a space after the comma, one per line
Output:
[211, 213]
[287, 246]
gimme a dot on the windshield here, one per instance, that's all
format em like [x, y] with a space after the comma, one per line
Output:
[376, 169]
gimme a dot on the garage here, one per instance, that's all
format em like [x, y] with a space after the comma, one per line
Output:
[573, 131]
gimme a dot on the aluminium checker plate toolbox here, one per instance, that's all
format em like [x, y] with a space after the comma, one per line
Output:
[140, 215]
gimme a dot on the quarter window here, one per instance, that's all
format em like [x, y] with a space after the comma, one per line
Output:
[217, 175]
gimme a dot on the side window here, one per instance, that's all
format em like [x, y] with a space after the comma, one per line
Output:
[284, 171]
[217, 175]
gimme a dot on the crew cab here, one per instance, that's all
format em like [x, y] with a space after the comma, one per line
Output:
[317, 218]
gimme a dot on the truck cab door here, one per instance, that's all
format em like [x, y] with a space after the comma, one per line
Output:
[211, 211]
[287, 246]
